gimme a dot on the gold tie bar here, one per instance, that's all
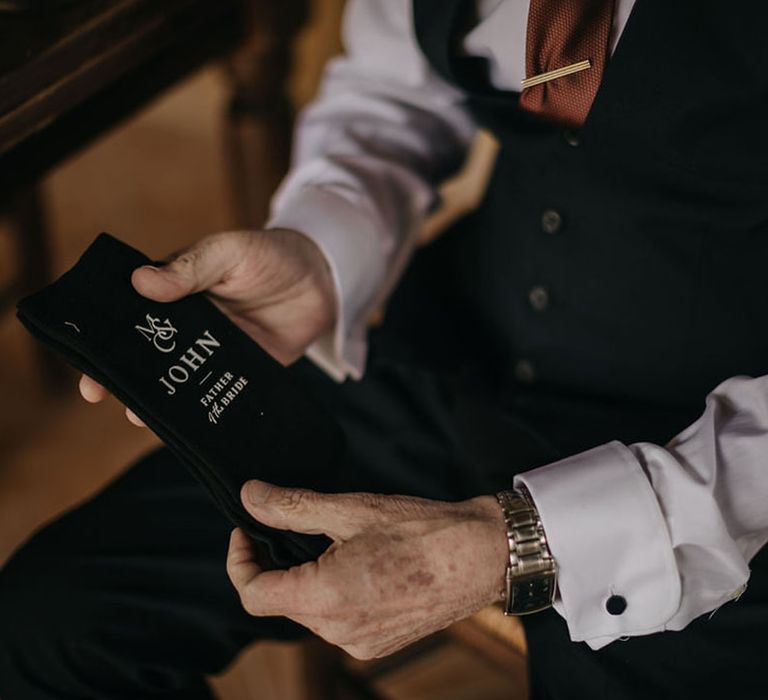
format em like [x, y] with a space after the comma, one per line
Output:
[557, 73]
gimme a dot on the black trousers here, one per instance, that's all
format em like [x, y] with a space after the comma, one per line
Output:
[126, 597]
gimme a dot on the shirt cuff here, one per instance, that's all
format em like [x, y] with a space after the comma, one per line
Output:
[350, 243]
[608, 536]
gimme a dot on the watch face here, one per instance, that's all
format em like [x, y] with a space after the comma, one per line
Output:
[532, 595]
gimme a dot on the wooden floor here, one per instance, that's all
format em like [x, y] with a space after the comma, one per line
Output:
[159, 183]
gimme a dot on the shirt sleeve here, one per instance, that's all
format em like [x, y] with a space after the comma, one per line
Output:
[671, 530]
[368, 153]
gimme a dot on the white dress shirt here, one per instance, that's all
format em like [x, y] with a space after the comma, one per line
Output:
[670, 528]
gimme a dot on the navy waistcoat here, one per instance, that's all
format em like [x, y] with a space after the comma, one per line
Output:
[655, 276]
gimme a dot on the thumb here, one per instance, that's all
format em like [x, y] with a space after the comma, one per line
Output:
[340, 516]
[192, 270]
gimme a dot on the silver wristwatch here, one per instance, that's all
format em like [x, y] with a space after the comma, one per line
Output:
[531, 577]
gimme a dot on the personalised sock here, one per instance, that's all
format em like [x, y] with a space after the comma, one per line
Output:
[222, 405]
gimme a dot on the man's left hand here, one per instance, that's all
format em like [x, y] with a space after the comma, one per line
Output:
[399, 568]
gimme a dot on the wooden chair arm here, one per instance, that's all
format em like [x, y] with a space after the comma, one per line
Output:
[464, 191]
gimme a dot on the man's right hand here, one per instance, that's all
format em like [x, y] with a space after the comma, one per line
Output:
[275, 285]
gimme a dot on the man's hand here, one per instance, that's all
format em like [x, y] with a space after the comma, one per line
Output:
[399, 568]
[275, 285]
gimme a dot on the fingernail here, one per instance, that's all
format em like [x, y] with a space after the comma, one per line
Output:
[255, 492]
[150, 267]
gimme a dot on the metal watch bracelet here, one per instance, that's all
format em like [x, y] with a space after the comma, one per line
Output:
[531, 576]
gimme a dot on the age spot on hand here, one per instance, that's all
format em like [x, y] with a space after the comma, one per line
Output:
[422, 578]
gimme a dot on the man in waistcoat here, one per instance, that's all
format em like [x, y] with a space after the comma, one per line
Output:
[569, 386]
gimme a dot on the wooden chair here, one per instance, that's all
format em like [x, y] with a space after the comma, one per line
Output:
[70, 76]
[25, 218]
[464, 191]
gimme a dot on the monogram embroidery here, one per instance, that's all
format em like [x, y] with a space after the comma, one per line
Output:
[159, 333]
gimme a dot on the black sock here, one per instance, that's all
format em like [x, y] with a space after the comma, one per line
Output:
[226, 408]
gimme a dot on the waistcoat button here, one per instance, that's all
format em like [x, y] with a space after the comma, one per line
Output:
[524, 372]
[538, 298]
[551, 221]
[616, 605]
[571, 138]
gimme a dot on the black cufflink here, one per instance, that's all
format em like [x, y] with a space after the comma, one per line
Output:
[616, 605]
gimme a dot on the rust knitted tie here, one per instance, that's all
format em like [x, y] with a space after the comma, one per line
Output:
[563, 35]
